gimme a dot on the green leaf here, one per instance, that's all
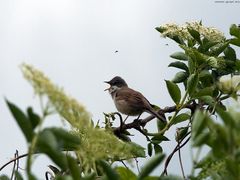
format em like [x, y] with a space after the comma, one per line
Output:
[126, 173]
[160, 125]
[174, 91]
[192, 84]
[157, 148]
[64, 177]
[4, 177]
[230, 53]
[110, 172]
[47, 143]
[235, 41]
[74, 168]
[22, 120]
[180, 56]
[177, 39]
[149, 149]
[201, 139]
[208, 100]
[219, 49]
[180, 77]
[208, 91]
[160, 29]
[33, 117]
[226, 117]
[195, 34]
[150, 165]
[191, 65]
[206, 45]
[137, 150]
[180, 118]
[180, 65]
[198, 124]
[66, 141]
[235, 31]
[160, 137]
[18, 176]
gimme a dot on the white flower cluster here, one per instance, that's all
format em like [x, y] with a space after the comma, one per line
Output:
[172, 29]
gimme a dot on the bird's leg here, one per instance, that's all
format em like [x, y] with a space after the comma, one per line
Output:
[139, 116]
[125, 119]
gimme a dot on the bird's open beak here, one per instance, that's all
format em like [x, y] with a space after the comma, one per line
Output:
[107, 83]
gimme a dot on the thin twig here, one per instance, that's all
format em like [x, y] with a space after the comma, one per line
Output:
[17, 163]
[137, 165]
[13, 160]
[124, 164]
[174, 151]
[14, 165]
[180, 160]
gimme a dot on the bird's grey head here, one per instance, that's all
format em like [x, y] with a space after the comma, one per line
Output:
[117, 81]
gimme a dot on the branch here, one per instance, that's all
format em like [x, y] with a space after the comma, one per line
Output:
[13, 160]
[142, 122]
[178, 147]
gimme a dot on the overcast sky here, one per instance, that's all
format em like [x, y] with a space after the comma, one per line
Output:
[73, 43]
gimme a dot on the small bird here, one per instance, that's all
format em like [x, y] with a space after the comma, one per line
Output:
[129, 101]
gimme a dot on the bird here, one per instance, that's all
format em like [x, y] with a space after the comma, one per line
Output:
[129, 101]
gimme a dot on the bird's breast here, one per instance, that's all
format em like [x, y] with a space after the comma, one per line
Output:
[124, 107]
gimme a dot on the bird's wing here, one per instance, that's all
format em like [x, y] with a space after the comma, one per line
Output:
[133, 98]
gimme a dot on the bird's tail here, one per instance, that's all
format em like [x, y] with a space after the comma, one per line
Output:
[159, 116]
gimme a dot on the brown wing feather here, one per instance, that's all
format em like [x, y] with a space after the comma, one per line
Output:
[133, 98]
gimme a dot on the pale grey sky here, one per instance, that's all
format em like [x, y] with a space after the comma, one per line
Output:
[73, 43]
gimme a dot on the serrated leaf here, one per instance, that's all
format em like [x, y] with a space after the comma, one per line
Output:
[174, 91]
[235, 31]
[108, 170]
[192, 84]
[180, 118]
[180, 77]
[151, 164]
[22, 120]
[149, 149]
[180, 65]
[180, 56]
